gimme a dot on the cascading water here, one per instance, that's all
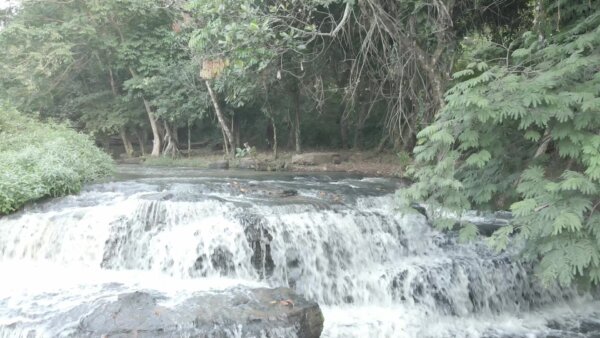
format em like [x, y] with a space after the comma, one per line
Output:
[375, 272]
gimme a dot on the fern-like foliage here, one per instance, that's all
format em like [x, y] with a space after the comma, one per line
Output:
[523, 131]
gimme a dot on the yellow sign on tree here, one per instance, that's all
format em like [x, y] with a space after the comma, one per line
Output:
[212, 68]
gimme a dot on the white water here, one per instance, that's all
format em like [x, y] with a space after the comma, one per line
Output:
[375, 272]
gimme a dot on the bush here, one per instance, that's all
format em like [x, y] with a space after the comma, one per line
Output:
[43, 160]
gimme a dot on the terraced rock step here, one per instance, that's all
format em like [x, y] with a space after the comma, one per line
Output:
[232, 313]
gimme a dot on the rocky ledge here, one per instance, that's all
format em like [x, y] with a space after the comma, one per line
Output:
[236, 312]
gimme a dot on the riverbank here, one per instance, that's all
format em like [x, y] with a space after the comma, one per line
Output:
[367, 163]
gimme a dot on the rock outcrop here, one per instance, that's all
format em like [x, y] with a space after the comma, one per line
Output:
[223, 164]
[236, 312]
[316, 158]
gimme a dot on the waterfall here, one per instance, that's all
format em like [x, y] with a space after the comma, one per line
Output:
[338, 241]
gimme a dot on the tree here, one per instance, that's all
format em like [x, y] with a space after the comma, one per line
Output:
[89, 59]
[520, 129]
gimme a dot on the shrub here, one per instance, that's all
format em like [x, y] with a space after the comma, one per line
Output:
[40, 160]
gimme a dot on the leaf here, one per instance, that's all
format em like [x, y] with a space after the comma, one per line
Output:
[479, 159]
[566, 221]
[463, 73]
[468, 232]
[524, 207]
[532, 135]
[500, 238]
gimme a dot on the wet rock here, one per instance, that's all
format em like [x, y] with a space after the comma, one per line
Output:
[130, 160]
[232, 313]
[263, 191]
[316, 158]
[222, 260]
[420, 209]
[289, 193]
[246, 163]
[159, 196]
[224, 164]
[590, 326]
[259, 165]
[486, 222]
[260, 241]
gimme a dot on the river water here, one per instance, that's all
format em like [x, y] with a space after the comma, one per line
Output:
[335, 239]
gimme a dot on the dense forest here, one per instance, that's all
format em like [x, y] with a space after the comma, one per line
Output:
[497, 101]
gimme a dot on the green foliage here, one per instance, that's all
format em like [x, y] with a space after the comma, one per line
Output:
[43, 160]
[403, 159]
[522, 131]
[246, 151]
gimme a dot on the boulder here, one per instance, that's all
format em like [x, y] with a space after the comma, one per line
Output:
[131, 160]
[224, 164]
[316, 158]
[246, 163]
[487, 223]
[237, 312]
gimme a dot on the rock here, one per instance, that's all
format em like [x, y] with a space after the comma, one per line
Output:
[224, 164]
[264, 166]
[259, 239]
[131, 160]
[485, 222]
[316, 158]
[159, 196]
[589, 325]
[260, 165]
[246, 163]
[420, 209]
[288, 193]
[236, 312]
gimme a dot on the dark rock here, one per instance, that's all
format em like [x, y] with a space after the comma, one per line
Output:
[246, 163]
[224, 164]
[289, 193]
[590, 326]
[159, 196]
[316, 158]
[420, 209]
[260, 241]
[236, 312]
[130, 160]
[486, 223]
[222, 260]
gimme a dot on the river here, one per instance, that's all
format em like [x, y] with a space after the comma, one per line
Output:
[335, 239]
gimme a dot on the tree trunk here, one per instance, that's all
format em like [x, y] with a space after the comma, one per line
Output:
[274, 138]
[171, 147]
[344, 131]
[297, 121]
[126, 143]
[235, 132]
[155, 132]
[123, 133]
[382, 143]
[189, 139]
[359, 127]
[221, 118]
[225, 142]
[141, 142]
[153, 123]
[290, 128]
